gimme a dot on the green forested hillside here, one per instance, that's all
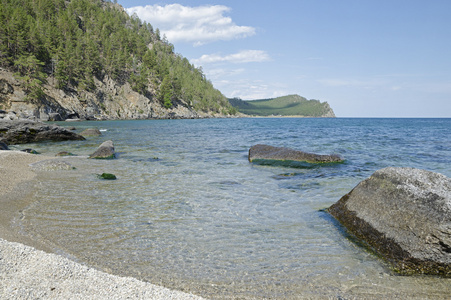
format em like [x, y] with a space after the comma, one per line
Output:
[291, 105]
[72, 42]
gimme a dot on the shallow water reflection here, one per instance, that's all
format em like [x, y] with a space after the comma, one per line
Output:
[188, 211]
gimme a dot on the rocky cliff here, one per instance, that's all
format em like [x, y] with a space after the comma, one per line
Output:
[109, 101]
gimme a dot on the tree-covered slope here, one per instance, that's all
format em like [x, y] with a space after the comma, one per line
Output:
[291, 105]
[74, 45]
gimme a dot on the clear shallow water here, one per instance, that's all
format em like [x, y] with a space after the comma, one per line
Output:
[188, 210]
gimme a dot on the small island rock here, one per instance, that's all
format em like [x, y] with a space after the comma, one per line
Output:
[405, 215]
[265, 152]
[105, 151]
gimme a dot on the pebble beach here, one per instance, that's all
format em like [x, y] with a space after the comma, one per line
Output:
[29, 269]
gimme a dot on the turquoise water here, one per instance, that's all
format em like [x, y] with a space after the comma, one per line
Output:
[189, 212]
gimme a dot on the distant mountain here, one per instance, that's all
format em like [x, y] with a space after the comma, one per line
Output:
[291, 105]
[88, 58]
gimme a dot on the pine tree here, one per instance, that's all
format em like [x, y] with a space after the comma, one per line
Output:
[30, 72]
[166, 92]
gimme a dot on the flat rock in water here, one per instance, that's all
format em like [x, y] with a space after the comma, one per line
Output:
[91, 132]
[105, 151]
[265, 152]
[405, 215]
[27, 131]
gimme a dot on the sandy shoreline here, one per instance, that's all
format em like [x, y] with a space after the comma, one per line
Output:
[29, 273]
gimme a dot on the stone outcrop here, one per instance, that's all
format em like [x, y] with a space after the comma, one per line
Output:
[405, 215]
[105, 151]
[27, 131]
[265, 152]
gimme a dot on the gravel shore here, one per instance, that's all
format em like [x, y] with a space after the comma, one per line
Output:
[29, 273]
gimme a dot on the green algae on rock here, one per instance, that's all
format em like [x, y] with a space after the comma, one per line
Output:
[107, 176]
[265, 154]
[404, 214]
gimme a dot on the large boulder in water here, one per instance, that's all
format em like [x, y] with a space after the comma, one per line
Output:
[265, 152]
[405, 215]
[27, 131]
[105, 151]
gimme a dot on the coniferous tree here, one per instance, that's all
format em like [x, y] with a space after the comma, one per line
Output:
[30, 71]
[78, 40]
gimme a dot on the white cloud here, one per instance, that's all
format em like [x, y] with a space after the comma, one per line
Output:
[197, 25]
[357, 83]
[244, 56]
[222, 73]
[251, 89]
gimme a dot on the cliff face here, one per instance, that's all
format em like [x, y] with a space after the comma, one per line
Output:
[329, 113]
[109, 101]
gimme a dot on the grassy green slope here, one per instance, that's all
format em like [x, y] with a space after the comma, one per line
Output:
[291, 105]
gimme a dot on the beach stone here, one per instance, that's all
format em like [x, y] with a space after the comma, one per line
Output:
[405, 215]
[265, 152]
[105, 151]
[91, 132]
[28, 131]
[3, 146]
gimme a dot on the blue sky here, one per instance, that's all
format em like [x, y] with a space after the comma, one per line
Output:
[385, 58]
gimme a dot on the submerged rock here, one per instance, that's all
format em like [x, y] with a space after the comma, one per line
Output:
[105, 151]
[265, 152]
[64, 153]
[405, 215]
[91, 132]
[107, 176]
[31, 151]
[27, 131]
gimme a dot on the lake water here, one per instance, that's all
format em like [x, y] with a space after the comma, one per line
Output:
[189, 212]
